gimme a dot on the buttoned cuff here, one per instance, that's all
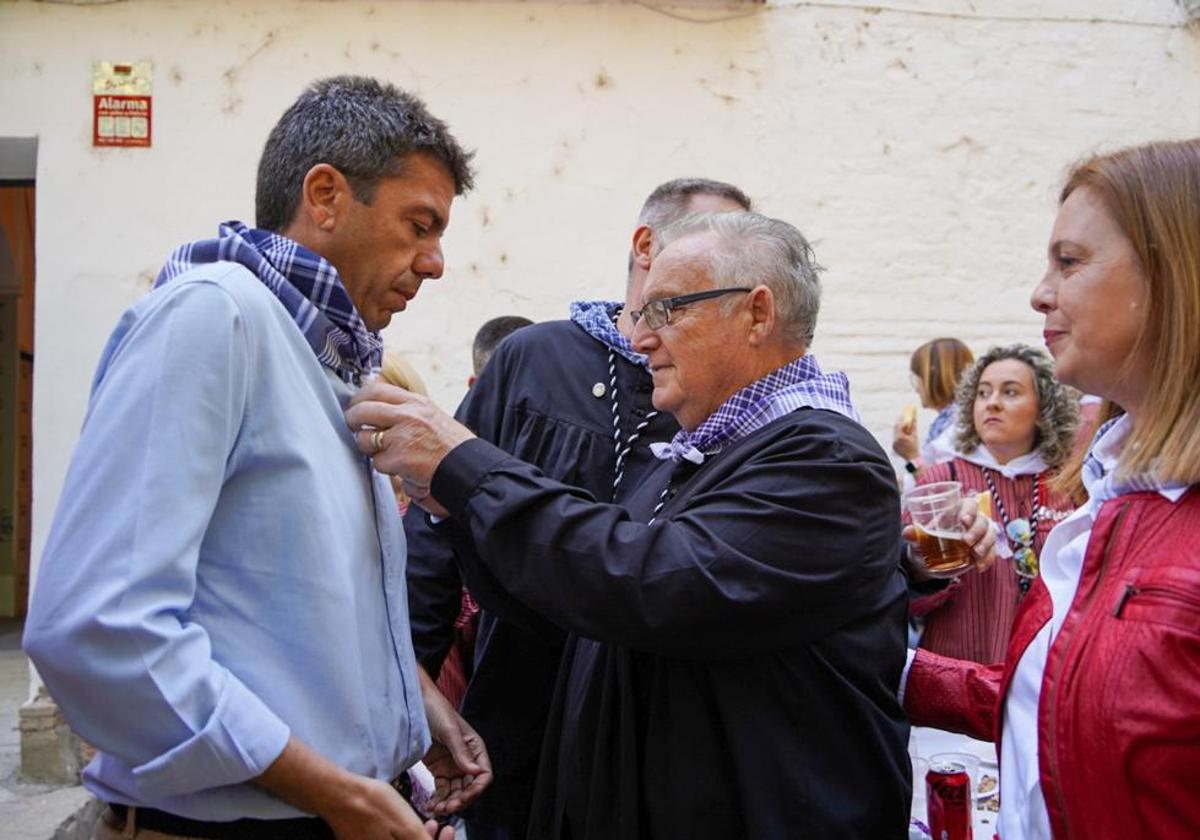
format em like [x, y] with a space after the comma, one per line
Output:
[462, 471]
[241, 739]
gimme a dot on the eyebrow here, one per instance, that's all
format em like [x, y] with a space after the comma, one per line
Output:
[658, 296]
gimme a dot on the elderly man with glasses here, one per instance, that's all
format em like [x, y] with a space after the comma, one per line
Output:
[738, 625]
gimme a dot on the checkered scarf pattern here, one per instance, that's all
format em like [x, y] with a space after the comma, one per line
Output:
[798, 384]
[596, 318]
[1102, 485]
[941, 421]
[308, 287]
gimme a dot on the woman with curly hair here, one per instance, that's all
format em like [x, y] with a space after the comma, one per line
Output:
[1016, 425]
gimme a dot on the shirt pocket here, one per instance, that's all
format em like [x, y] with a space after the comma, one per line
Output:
[1163, 595]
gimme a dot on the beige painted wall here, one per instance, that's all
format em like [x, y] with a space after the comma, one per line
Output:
[919, 149]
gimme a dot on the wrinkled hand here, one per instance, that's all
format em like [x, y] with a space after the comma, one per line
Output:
[355, 807]
[373, 810]
[979, 535]
[904, 440]
[458, 758]
[414, 435]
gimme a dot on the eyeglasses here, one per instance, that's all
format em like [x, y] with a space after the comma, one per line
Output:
[658, 312]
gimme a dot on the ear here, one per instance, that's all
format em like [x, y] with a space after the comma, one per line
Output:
[761, 309]
[643, 243]
[325, 197]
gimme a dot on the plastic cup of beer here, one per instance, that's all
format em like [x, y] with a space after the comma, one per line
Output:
[941, 544]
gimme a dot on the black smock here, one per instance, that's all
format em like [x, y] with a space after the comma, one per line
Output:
[733, 667]
[538, 400]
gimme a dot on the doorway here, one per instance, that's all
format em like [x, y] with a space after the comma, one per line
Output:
[17, 159]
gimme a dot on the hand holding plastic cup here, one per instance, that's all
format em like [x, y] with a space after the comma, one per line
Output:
[935, 511]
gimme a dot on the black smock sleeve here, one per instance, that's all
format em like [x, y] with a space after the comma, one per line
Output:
[796, 541]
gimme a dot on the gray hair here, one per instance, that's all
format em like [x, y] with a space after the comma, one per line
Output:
[753, 249]
[1058, 405]
[362, 127]
[669, 201]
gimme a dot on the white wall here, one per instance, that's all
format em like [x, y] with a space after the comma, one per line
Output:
[918, 149]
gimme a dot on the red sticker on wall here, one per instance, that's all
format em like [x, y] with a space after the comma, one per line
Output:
[121, 105]
[121, 121]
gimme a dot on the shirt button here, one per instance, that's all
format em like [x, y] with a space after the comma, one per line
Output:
[639, 412]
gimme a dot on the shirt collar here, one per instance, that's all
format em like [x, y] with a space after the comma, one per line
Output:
[1103, 458]
[1031, 463]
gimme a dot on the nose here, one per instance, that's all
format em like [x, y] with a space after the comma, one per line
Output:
[429, 262]
[643, 339]
[1043, 298]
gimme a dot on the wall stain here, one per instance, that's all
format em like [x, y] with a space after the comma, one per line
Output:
[965, 142]
[485, 216]
[233, 102]
[176, 75]
[602, 80]
[728, 99]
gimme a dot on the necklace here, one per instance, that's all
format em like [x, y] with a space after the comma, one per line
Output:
[1020, 533]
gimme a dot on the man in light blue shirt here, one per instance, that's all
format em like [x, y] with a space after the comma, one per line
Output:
[221, 606]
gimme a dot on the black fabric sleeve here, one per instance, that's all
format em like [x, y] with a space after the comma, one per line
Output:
[434, 590]
[795, 542]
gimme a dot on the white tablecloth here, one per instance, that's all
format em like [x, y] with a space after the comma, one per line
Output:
[926, 742]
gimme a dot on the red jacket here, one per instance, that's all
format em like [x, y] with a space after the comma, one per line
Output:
[1119, 713]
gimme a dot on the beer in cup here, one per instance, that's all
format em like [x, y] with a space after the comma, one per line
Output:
[934, 510]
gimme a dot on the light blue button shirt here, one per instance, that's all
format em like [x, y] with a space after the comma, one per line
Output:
[224, 568]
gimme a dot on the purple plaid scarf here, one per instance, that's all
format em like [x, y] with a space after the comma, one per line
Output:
[308, 287]
[596, 318]
[798, 384]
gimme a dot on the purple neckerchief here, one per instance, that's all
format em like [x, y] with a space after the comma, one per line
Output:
[597, 318]
[941, 421]
[1103, 485]
[798, 384]
[308, 287]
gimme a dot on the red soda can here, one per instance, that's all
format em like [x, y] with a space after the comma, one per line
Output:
[948, 789]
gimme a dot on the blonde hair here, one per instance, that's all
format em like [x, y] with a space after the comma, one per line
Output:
[1152, 192]
[939, 364]
[398, 371]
